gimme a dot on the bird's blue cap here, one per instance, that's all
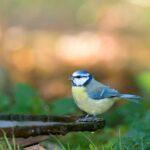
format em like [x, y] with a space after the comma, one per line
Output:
[81, 72]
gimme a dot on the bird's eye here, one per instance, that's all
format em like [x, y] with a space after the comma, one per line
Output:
[78, 77]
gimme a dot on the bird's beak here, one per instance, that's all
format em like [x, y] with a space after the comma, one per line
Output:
[70, 78]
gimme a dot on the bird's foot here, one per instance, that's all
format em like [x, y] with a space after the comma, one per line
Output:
[88, 118]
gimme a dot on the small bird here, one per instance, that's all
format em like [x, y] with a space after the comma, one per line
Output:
[93, 97]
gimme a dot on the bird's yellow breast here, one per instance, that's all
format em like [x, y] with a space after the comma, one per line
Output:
[79, 93]
[91, 106]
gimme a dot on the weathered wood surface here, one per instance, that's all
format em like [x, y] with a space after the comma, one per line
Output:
[29, 125]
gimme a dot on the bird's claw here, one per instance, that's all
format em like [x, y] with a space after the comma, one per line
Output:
[88, 119]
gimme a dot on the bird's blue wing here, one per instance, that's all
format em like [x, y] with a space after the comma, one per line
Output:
[98, 91]
[101, 93]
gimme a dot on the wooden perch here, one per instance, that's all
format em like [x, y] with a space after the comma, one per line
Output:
[27, 126]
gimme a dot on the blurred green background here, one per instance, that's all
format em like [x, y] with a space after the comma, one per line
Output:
[43, 42]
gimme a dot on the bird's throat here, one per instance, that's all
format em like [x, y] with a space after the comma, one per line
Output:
[79, 93]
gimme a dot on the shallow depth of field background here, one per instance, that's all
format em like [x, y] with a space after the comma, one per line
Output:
[43, 42]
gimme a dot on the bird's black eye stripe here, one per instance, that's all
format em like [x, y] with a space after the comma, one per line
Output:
[78, 77]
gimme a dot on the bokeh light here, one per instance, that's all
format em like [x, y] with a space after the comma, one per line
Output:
[42, 43]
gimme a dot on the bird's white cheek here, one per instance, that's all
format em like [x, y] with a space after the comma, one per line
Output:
[76, 81]
[80, 81]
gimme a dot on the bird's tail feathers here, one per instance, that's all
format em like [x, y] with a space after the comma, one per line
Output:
[130, 97]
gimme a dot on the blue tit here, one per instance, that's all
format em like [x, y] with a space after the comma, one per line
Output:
[94, 97]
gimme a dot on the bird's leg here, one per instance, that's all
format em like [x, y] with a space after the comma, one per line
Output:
[87, 115]
[88, 118]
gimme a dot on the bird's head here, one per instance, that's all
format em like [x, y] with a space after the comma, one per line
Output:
[81, 78]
